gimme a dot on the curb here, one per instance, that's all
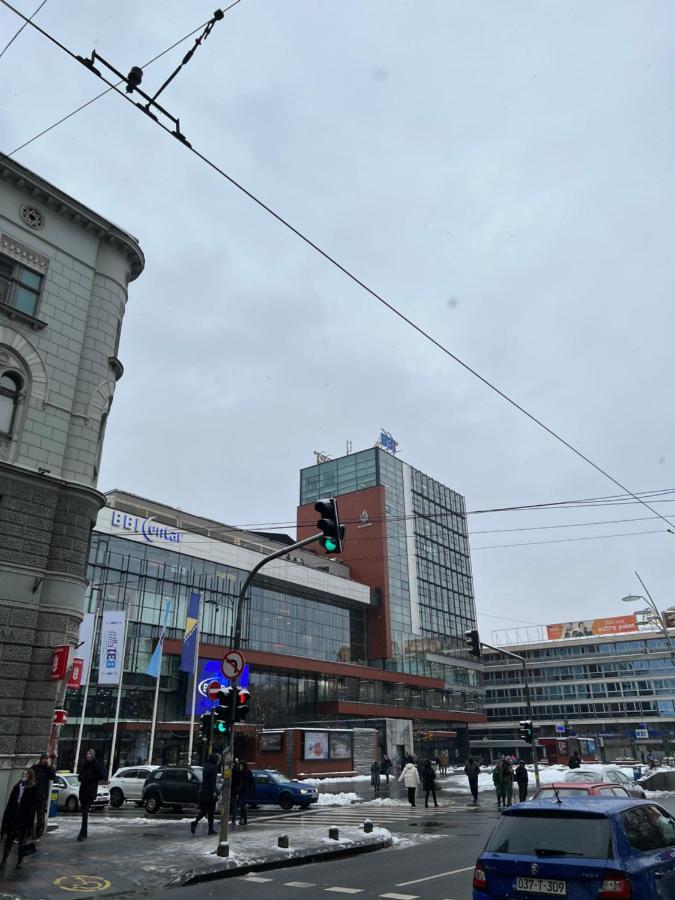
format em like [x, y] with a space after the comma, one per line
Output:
[319, 855]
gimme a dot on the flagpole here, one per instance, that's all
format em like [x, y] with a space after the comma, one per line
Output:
[159, 676]
[195, 667]
[86, 688]
[119, 696]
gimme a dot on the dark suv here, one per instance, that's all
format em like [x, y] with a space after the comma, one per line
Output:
[172, 786]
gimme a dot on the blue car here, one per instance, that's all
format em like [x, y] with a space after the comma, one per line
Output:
[274, 787]
[610, 849]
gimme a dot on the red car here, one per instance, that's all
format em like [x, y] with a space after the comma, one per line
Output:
[579, 789]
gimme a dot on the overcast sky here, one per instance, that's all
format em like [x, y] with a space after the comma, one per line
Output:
[501, 171]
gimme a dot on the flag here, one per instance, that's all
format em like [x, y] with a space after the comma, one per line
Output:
[86, 640]
[155, 665]
[187, 658]
[110, 662]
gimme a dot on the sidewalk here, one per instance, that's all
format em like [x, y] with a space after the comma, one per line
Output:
[128, 856]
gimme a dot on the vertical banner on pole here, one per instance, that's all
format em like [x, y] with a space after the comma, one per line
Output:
[187, 659]
[111, 658]
[86, 648]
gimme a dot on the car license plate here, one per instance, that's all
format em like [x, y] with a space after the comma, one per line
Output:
[552, 886]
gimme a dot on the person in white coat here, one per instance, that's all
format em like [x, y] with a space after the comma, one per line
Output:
[411, 778]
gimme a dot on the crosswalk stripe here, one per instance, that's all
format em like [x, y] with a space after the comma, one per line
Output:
[300, 884]
[400, 896]
[257, 879]
[341, 890]
[431, 877]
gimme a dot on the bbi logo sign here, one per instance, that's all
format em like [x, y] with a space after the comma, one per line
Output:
[150, 530]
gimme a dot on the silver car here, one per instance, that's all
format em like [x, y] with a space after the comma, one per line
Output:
[69, 793]
[127, 785]
[608, 774]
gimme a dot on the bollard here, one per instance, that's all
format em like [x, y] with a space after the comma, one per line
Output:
[367, 826]
[283, 841]
[334, 833]
[223, 849]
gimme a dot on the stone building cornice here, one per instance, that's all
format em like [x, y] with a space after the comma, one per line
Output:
[23, 179]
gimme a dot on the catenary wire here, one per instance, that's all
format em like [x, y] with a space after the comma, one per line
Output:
[109, 89]
[354, 278]
[15, 36]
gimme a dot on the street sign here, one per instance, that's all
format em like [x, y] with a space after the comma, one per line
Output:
[233, 664]
[560, 729]
[213, 689]
[641, 734]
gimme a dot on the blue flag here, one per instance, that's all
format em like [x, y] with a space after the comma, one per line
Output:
[187, 658]
[155, 665]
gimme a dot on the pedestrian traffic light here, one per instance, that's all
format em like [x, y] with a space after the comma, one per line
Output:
[221, 714]
[472, 641]
[205, 726]
[527, 731]
[329, 523]
[242, 707]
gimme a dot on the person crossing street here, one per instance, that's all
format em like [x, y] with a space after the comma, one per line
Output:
[472, 771]
[91, 772]
[44, 775]
[411, 778]
[208, 794]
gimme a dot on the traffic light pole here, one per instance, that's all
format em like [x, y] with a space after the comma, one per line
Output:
[528, 702]
[228, 755]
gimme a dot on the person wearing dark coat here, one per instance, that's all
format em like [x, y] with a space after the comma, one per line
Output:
[375, 771]
[472, 771]
[208, 794]
[17, 821]
[428, 782]
[521, 777]
[44, 774]
[386, 767]
[247, 792]
[575, 760]
[91, 772]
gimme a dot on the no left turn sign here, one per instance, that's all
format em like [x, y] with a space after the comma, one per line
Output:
[233, 664]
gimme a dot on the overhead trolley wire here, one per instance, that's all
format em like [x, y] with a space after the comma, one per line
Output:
[342, 268]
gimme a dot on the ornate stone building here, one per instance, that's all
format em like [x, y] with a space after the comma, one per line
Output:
[64, 272]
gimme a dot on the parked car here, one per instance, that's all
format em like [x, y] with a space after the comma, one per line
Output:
[606, 774]
[565, 789]
[69, 793]
[172, 786]
[127, 784]
[274, 787]
[581, 848]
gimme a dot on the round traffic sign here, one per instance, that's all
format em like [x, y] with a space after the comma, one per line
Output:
[213, 689]
[233, 664]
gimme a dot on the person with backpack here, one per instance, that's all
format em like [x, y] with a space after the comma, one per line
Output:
[521, 777]
[472, 771]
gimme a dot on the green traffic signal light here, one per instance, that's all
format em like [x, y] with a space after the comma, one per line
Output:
[221, 727]
[329, 545]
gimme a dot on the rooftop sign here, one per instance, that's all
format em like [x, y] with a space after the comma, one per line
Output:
[592, 627]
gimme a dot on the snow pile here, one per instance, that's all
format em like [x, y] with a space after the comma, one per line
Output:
[345, 799]
[351, 778]
[660, 795]
[384, 801]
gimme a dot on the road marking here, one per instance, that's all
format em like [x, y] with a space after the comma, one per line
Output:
[341, 890]
[299, 884]
[431, 877]
[258, 879]
[400, 896]
[84, 883]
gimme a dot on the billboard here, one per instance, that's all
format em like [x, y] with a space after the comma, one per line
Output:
[592, 627]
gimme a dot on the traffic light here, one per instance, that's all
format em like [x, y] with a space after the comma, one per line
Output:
[221, 714]
[329, 523]
[205, 726]
[242, 707]
[527, 731]
[472, 641]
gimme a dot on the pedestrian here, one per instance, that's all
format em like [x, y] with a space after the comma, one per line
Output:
[444, 762]
[235, 790]
[575, 760]
[411, 778]
[386, 767]
[44, 774]
[208, 794]
[472, 771]
[247, 793]
[17, 821]
[498, 783]
[507, 782]
[521, 777]
[375, 770]
[429, 782]
[91, 772]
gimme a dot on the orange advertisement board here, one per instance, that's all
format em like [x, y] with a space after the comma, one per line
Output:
[591, 627]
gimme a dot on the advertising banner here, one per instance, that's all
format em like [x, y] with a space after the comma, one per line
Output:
[208, 670]
[75, 679]
[60, 662]
[86, 642]
[316, 745]
[110, 661]
[592, 627]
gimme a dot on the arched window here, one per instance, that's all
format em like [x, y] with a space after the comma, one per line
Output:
[10, 389]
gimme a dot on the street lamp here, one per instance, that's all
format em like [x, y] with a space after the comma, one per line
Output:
[654, 616]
